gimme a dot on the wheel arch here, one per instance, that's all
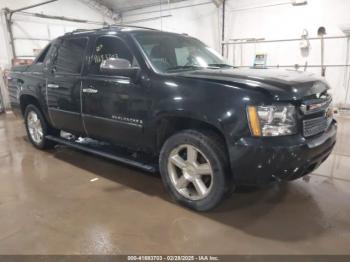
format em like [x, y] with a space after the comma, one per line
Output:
[168, 125]
[26, 100]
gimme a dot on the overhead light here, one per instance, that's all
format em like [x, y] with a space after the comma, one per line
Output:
[299, 2]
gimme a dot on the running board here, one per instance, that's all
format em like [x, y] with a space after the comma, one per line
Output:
[109, 155]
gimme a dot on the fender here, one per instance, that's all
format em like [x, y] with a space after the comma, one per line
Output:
[193, 99]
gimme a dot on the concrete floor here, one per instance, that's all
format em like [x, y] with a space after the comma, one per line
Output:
[67, 202]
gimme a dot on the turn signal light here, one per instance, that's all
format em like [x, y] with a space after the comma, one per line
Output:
[254, 122]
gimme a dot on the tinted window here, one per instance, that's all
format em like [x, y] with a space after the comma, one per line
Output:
[70, 55]
[43, 55]
[109, 47]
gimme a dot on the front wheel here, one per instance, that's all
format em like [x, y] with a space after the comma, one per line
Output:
[194, 169]
[37, 127]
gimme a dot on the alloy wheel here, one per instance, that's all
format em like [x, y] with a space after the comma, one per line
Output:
[190, 172]
[35, 127]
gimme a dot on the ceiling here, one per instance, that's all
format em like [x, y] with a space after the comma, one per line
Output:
[127, 5]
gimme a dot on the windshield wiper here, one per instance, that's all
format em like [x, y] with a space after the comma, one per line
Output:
[184, 67]
[219, 65]
[210, 66]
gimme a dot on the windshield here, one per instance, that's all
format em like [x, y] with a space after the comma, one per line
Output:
[172, 52]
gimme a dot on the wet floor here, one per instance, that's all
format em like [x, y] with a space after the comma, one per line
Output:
[67, 202]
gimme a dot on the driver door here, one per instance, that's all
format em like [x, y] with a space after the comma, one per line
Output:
[114, 107]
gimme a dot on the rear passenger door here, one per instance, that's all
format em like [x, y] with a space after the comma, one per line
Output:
[64, 84]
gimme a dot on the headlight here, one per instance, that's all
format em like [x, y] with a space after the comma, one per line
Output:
[275, 120]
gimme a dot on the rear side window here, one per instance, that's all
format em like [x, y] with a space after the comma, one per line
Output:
[43, 55]
[70, 56]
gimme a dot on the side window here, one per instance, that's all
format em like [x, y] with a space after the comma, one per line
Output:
[70, 55]
[109, 47]
[43, 55]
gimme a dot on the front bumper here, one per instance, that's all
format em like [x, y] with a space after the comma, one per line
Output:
[259, 161]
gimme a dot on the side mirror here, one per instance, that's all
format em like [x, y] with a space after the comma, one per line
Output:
[118, 66]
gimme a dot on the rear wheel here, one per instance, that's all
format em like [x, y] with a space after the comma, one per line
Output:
[194, 169]
[37, 128]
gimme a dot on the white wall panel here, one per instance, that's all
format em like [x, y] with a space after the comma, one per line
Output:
[56, 31]
[202, 20]
[287, 21]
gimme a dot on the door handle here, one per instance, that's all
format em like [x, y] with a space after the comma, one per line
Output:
[90, 90]
[53, 86]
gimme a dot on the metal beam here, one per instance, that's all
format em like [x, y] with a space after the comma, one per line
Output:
[103, 9]
[167, 9]
[151, 4]
[223, 26]
[8, 20]
[63, 18]
[218, 2]
[32, 6]
[146, 19]
[262, 40]
[292, 3]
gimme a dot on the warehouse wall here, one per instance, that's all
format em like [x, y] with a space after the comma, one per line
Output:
[202, 20]
[44, 29]
[287, 21]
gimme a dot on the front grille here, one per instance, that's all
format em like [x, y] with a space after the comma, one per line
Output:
[314, 126]
[313, 106]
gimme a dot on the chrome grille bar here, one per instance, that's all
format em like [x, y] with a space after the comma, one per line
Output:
[316, 105]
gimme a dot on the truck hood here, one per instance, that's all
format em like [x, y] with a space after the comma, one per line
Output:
[281, 84]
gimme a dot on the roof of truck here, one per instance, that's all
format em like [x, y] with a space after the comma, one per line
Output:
[110, 28]
[114, 29]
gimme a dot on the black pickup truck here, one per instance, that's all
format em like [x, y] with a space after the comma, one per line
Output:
[166, 102]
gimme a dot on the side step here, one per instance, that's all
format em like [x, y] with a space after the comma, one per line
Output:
[106, 153]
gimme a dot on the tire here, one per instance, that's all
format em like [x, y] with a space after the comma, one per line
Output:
[181, 176]
[37, 138]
